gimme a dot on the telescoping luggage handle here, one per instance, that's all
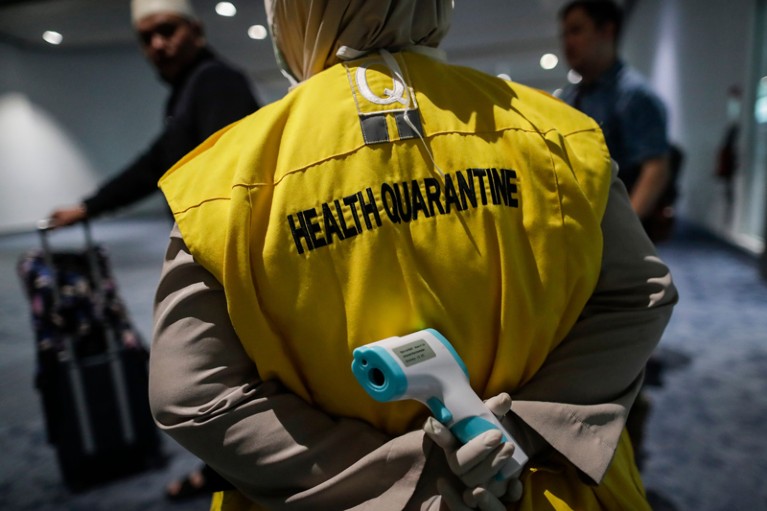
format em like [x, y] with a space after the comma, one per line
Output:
[45, 226]
[113, 349]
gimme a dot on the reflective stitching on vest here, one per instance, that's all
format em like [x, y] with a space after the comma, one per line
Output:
[404, 129]
[374, 129]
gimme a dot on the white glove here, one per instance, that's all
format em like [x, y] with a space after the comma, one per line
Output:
[476, 464]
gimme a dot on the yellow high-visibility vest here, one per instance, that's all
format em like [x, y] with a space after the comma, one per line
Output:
[361, 207]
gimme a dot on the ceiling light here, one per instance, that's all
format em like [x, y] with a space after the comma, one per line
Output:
[51, 37]
[257, 32]
[504, 76]
[549, 61]
[573, 77]
[226, 9]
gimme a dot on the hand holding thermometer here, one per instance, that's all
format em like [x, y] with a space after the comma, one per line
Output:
[424, 366]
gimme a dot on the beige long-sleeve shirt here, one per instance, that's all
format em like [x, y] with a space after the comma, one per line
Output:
[280, 451]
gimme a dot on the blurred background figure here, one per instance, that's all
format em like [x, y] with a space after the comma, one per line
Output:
[633, 120]
[727, 160]
[631, 115]
[206, 94]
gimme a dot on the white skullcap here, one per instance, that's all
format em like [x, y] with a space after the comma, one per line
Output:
[142, 8]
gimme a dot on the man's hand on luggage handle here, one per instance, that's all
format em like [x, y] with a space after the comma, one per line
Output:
[68, 215]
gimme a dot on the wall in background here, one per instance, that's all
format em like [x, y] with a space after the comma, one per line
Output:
[67, 121]
[692, 54]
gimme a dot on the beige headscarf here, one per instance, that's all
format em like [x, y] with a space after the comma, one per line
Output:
[307, 34]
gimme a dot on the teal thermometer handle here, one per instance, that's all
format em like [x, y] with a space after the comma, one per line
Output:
[424, 366]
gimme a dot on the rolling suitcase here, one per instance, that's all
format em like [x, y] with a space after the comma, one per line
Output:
[92, 372]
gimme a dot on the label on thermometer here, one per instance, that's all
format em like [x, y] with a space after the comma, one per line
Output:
[414, 352]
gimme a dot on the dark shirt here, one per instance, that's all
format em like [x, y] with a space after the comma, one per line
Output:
[632, 117]
[207, 97]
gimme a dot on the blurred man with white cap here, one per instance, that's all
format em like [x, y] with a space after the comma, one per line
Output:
[206, 95]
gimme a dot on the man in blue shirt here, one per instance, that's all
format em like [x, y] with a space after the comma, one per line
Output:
[632, 117]
[633, 120]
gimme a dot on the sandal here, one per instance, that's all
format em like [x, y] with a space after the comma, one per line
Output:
[191, 486]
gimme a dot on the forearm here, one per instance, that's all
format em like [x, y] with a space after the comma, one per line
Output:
[579, 399]
[282, 453]
[275, 448]
[652, 181]
[134, 183]
[139, 179]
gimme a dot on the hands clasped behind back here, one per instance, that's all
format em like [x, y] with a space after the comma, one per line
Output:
[476, 464]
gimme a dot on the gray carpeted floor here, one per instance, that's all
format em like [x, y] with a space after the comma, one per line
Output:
[706, 449]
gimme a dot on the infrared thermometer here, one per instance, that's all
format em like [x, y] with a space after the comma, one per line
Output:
[424, 366]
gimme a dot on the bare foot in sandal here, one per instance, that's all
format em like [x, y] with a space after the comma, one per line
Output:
[192, 485]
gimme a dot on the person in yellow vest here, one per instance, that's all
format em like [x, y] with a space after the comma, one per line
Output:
[389, 192]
